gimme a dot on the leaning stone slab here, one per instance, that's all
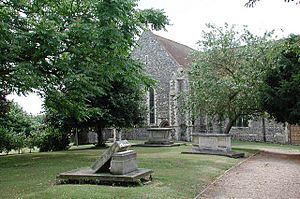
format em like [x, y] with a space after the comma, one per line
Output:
[102, 164]
[116, 164]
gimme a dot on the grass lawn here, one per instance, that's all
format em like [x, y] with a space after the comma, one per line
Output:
[175, 175]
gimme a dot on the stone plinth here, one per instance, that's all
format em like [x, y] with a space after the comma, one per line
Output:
[159, 136]
[214, 142]
[102, 164]
[87, 176]
[123, 162]
[116, 164]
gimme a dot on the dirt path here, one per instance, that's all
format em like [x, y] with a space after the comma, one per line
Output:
[265, 175]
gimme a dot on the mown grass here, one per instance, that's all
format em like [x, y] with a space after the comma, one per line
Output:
[264, 146]
[175, 175]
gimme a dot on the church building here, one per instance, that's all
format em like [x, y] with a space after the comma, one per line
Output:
[167, 62]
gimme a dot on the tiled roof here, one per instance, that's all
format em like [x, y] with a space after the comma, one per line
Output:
[180, 52]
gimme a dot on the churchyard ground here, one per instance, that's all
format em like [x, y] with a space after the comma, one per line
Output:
[175, 175]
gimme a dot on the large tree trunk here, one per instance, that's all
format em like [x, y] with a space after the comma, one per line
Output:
[229, 125]
[100, 136]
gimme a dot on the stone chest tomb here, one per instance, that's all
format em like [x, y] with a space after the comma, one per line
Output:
[116, 164]
[213, 144]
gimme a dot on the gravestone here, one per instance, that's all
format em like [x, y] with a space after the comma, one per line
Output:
[213, 144]
[102, 164]
[123, 162]
[116, 164]
[159, 136]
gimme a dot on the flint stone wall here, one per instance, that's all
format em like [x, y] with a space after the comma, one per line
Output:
[160, 65]
[275, 132]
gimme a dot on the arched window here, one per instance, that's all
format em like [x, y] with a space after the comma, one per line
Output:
[164, 124]
[151, 106]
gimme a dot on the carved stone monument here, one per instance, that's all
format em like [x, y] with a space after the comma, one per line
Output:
[116, 164]
[159, 136]
[214, 144]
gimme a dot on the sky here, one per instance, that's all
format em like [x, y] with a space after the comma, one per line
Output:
[190, 16]
[188, 19]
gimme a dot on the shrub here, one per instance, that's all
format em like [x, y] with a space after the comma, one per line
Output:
[3, 137]
[53, 140]
[7, 141]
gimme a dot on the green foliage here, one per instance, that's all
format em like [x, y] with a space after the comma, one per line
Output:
[3, 139]
[18, 129]
[251, 3]
[9, 141]
[15, 125]
[17, 120]
[73, 52]
[53, 140]
[38, 126]
[227, 73]
[121, 104]
[102, 81]
[281, 93]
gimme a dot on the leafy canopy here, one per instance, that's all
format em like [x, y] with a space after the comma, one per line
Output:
[251, 3]
[227, 73]
[75, 53]
[74, 47]
[101, 84]
[281, 92]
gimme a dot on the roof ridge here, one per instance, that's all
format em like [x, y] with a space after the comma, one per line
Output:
[179, 52]
[172, 41]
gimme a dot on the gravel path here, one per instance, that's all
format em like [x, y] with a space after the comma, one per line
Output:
[265, 175]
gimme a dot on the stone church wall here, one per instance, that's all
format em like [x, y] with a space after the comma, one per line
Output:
[160, 65]
[171, 80]
[275, 132]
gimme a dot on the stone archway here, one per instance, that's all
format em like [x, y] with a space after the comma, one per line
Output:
[164, 123]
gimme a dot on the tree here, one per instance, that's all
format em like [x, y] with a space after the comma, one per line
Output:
[121, 107]
[100, 39]
[251, 3]
[45, 42]
[281, 92]
[27, 44]
[226, 75]
[15, 126]
[38, 128]
[71, 51]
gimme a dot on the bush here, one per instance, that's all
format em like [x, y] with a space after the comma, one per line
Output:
[31, 141]
[18, 141]
[3, 139]
[7, 141]
[53, 140]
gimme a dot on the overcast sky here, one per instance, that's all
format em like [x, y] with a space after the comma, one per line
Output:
[190, 16]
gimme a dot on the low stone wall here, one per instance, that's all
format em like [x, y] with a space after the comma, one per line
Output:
[135, 134]
[275, 132]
